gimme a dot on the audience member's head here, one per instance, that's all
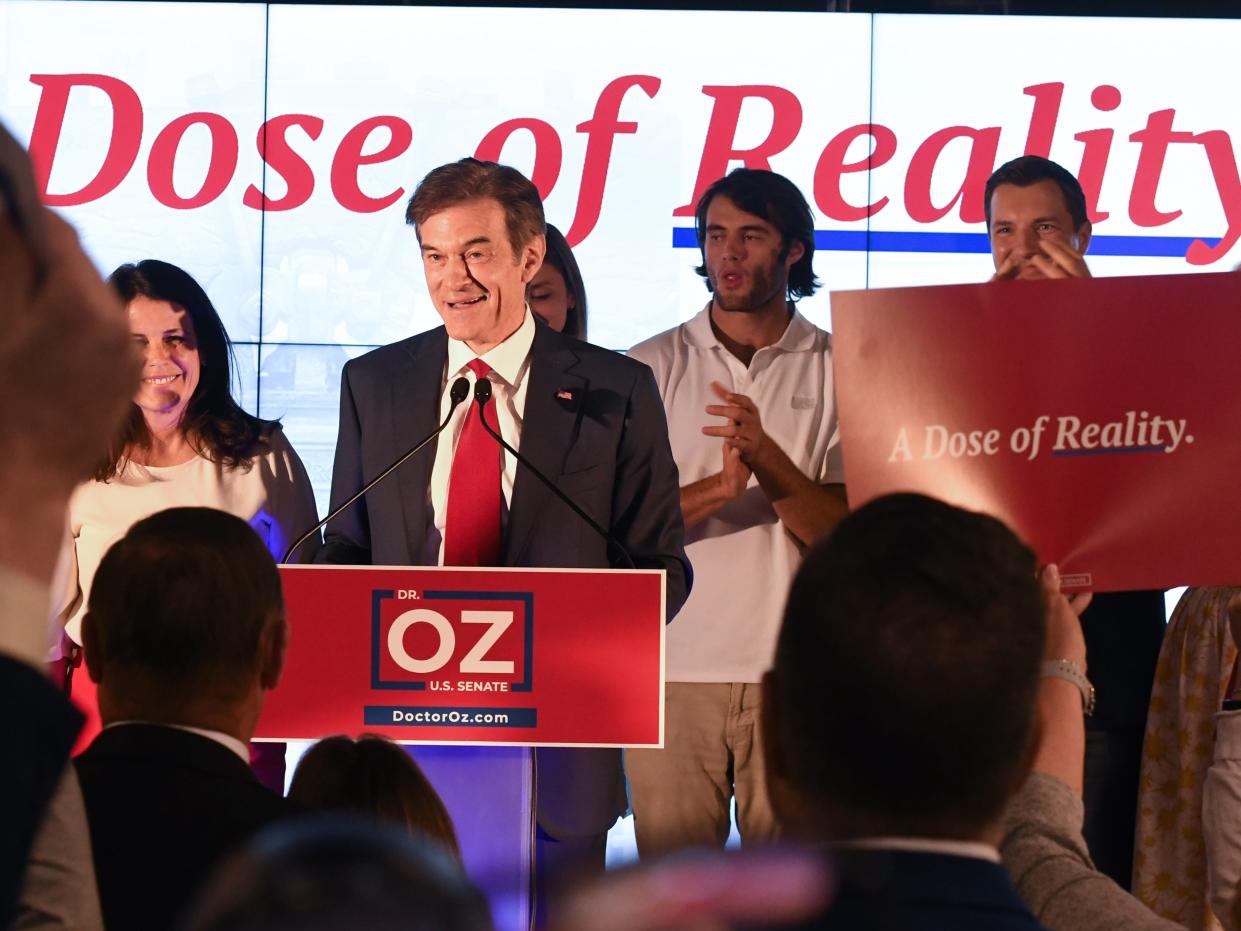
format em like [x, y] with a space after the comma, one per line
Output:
[373, 776]
[901, 702]
[775, 199]
[185, 623]
[556, 294]
[1032, 199]
[328, 873]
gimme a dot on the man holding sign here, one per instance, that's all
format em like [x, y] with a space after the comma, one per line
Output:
[1036, 221]
[1039, 227]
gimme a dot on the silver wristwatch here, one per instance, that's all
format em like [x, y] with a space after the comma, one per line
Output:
[1070, 671]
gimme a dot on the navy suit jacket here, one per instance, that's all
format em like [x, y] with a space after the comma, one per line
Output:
[605, 446]
[165, 806]
[894, 890]
[40, 730]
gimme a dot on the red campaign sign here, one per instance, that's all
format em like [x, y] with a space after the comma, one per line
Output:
[536, 657]
[1099, 418]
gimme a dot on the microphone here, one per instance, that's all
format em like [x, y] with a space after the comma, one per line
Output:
[482, 394]
[459, 391]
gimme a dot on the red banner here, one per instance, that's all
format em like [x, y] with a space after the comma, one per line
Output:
[541, 657]
[1099, 418]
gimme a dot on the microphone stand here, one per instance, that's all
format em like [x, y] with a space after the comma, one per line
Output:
[459, 392]
[482, 394]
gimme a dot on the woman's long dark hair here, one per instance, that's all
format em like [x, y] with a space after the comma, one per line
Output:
[214, 423]
[374, 776]
[560, 256]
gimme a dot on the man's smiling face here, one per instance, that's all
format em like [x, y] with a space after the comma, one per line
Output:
[1024, 218]
[476, 278]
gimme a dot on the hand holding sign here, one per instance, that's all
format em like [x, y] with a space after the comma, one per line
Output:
[1062, 732]
[1065, 639]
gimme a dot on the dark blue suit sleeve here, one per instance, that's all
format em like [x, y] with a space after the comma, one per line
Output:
[646, 503]
[347, 539]
[42, 726]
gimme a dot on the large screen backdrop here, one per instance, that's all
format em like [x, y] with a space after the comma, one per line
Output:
[147, 120]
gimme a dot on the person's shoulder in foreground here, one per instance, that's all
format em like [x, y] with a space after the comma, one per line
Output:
[908, 891]
[926, 621]
[55, 421]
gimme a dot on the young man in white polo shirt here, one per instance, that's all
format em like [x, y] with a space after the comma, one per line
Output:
[747, 385]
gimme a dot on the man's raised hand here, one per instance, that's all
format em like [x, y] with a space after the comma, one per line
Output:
[1059, 261]
[744, 431]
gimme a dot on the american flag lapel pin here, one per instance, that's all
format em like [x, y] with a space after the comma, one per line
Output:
[564, 394]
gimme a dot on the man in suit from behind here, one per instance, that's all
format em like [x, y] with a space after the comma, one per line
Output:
[901, 712]
[589, 419]
[186, 631]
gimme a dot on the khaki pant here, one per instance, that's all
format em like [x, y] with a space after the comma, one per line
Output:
[712, 750]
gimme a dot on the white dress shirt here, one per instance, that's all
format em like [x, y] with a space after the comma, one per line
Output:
[510, 366]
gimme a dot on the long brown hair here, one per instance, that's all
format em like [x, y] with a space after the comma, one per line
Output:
[560, 257]
[216, 425]
[375, 776]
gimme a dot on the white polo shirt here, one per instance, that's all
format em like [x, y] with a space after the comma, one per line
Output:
[742, 556]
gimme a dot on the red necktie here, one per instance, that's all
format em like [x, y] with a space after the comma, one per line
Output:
[472, 527]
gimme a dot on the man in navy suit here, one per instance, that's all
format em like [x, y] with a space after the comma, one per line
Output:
[186, 631]
[900, 712]
[589, 419]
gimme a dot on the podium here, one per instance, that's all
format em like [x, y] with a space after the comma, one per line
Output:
[477, 666]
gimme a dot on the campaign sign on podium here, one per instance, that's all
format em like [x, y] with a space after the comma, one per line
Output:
[1100, 418]
[536, 657]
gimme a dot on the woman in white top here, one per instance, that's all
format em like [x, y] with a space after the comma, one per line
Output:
[186, 441]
